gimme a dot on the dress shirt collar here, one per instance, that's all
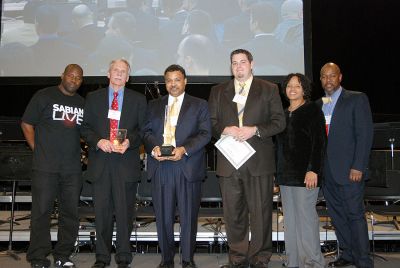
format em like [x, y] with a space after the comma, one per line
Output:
[180, 99]
[335, 95]
[246, 87]
[120, 97]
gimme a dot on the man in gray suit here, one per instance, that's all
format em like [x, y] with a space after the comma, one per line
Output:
[249, 109]
[350, 130]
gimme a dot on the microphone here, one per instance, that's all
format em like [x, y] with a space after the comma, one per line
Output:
[158, 90]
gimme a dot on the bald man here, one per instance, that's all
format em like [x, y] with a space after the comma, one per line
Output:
[51, 125]
[86, 34]
[195, 53]
[350, 130]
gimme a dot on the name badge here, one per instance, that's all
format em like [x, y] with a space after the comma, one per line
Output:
[113, 114]
[240, 99]
[328, 119]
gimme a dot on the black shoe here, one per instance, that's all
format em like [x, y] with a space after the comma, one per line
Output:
[123, 265]
[259, 265]
[39, 265]
[99, 264]
[340, 263]
[166, 264]
[64, 264]
[188, 264]
[235, 265]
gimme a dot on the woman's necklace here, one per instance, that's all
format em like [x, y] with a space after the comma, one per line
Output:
[292, 109]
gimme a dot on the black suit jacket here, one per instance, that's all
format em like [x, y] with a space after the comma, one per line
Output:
[263, 109]
[96, 126]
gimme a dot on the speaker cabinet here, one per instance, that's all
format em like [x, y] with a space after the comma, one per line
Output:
[15, 162]
[382, 165]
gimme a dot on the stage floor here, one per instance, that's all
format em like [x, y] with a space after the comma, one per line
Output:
[211, 250]
[203, 260]
[211, 242]
[210, 229]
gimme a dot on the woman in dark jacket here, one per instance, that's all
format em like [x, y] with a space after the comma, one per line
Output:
[301, 149]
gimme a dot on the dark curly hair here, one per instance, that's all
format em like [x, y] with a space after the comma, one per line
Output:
[304, 82]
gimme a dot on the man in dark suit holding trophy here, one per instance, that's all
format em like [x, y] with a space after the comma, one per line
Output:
[114, 167]
[176, 131]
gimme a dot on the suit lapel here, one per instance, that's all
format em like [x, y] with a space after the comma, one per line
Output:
[252, 97]
[104, 111]
[229, 94]
[184, 108]
[338, 107]
[125, 109]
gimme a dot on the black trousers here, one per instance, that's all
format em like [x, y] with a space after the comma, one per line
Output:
[113, 197]
[46, 187]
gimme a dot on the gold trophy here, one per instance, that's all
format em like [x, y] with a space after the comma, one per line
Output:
[120, 137]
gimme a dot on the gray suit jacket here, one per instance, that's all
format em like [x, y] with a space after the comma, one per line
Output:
[263, 109]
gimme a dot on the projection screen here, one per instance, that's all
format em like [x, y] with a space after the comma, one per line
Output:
[39, 37]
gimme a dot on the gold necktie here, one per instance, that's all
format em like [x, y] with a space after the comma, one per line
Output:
[240, 107]
[169, 128]
[326, 100]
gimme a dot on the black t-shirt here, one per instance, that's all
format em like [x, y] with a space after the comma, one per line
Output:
[57, 119]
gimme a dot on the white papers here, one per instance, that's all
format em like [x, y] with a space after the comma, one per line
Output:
[235, 151]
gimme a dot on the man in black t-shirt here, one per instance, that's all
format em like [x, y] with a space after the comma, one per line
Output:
[51, 125]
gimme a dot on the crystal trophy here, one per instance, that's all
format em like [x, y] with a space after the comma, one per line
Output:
[167, 148]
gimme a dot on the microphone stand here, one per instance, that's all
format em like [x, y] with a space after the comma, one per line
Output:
[147, 89]
[157, 88]
[10, 252]
[392, 140]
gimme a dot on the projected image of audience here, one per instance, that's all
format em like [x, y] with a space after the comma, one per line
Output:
[150, 34]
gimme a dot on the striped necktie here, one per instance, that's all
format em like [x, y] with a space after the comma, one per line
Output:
[240, 107]
[169, 129]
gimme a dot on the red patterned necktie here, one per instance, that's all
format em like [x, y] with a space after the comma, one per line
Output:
[114, 122]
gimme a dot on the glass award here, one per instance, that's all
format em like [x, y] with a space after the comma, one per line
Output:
[167, 148]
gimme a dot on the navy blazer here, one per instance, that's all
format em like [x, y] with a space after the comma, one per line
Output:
[193, 131]
[350, 135]
[96, 126]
